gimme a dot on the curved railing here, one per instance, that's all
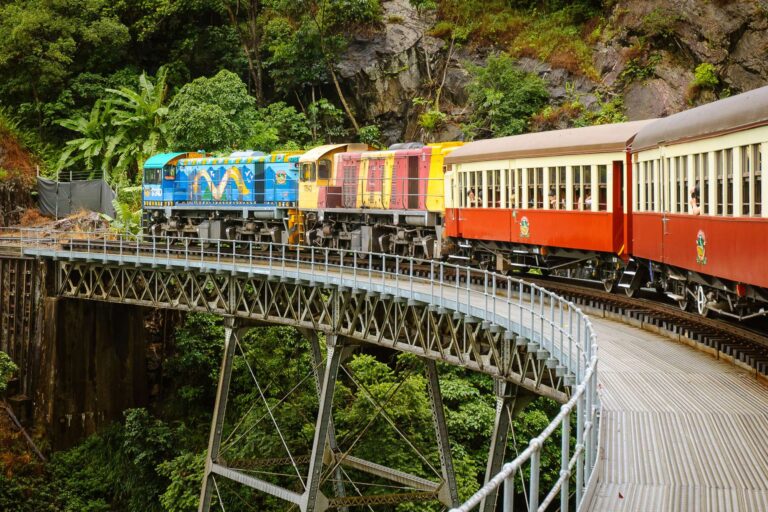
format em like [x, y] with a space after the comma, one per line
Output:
[512, 304]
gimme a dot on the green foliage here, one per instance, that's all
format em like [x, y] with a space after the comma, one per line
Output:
[51, 39]
[661, 22]
[705, 76]
[370, 135]
[607, 112]
[139, 120]
[641, 68]
[193, 368]
[89, 150]
[423, 5]
[7, 369]
[127, 219]
[279, 126]
[120, 133]
[114, 470]
[326, 121]
[503, 98]
[185, 473]
[212, 114]
[553, 31]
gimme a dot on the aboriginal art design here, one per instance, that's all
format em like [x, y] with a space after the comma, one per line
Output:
[218, 191]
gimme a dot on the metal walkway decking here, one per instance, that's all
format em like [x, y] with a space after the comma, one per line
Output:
[681, 431]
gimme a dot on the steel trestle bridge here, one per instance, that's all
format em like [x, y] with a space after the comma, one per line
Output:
[532, 342]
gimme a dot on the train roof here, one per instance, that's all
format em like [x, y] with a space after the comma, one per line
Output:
[159, 161]
[287, 156]
[320, 151]
[606, 138]
[746, 110]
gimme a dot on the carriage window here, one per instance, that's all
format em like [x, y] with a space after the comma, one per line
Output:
[702, 181]
[556, 194]
[719, 175]
[602, 184]
[515, 178]
[650, 183]
[538, 187]
[496, 188]
[747, 181]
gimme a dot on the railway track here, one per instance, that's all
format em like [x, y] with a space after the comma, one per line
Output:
[745, 346]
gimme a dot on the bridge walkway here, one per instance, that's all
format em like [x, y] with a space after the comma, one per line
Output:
[681, 431]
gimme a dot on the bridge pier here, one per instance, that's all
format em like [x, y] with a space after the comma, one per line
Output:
[449, 492]
[510, 401]
[231, 331]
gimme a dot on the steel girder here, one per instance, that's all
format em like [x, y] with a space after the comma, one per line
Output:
[367, 316]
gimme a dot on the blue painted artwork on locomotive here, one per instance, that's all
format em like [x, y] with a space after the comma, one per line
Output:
[189, 181]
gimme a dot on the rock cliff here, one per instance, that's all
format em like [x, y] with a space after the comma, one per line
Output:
[647, 53]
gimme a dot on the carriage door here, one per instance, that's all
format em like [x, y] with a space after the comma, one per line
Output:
[413, 182]
[664, 196]
[617, 203]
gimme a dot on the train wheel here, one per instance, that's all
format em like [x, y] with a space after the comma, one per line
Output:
[630, 291]
[701, 301]
[683, 304]
[609, 285]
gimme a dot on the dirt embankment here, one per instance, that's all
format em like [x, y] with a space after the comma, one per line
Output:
[17, 178]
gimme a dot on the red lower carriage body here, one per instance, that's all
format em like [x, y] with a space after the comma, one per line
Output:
[584, 231]
[728, 248]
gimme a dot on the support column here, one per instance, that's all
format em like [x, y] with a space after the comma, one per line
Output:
[217, 422]
[313, 500]
[317, 360]
[451, 499]
[510, 400]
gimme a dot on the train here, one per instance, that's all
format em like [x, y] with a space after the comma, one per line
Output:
[675, 204]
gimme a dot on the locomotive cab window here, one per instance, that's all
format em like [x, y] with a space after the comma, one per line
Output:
[324, 169]
[308, 172]
[152, 176]
[170, 172]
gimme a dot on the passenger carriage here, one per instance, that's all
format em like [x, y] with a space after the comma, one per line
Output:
[710, 250]
[550, 201]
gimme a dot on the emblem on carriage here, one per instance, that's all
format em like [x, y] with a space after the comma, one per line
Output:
[701, 248]
[525, 228]
[280, 178]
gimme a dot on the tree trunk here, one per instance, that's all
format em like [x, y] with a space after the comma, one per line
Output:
[250, 42]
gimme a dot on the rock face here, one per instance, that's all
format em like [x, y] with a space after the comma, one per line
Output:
[647, 55]
[385, 71]
[682, 34]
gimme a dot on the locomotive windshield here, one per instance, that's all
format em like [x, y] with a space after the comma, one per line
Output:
[308, 172]
[152, 176]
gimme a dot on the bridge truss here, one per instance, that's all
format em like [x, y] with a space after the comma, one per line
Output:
[530, 341]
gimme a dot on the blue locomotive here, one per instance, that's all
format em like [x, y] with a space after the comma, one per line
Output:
[247, 195]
